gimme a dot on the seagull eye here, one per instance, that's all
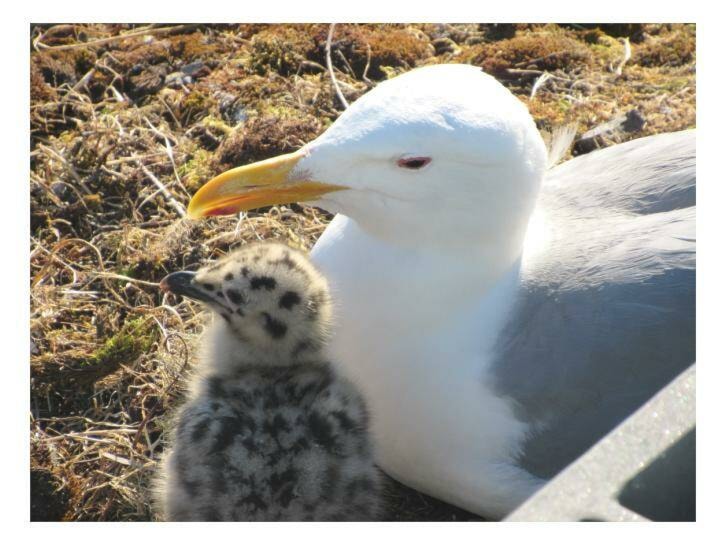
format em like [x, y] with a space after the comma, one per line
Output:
[413, 162]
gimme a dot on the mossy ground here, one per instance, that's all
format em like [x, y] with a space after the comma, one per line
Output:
[109, 351]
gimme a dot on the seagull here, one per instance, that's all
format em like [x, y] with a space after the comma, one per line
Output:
[499, 315]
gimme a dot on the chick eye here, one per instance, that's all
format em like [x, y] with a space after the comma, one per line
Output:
[413, 162]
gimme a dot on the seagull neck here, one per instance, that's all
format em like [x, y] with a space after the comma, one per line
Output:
[480, 264]
[474, 258]
[456, 268]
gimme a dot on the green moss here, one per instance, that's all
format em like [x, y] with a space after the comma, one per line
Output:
[389, 72]
[606, 50]
[197, 170]
[676, 84]
[125, 270]
[108, 109]
[136, 337]
[564, 105]
[195, 106]
[217, 124]
[279, 110]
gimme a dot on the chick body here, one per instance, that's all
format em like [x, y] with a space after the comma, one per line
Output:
[270, 431]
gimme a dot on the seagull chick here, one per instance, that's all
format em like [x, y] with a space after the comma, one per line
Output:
[270, 432]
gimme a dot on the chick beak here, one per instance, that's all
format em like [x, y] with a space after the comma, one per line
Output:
[181, 284]
[272, 181]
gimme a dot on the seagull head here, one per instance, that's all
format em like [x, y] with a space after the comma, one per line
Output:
[437, 155]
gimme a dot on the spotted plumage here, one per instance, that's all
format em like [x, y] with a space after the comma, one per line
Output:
[270, 432]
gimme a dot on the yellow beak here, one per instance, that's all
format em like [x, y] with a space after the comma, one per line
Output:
[253, 186]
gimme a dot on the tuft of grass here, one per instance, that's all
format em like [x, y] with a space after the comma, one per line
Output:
[137, 336]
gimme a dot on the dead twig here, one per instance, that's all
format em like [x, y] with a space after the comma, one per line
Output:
[68, 166]
[120, 277]
[627, 54]
[328, 62]
[138, 33]
[179, 208]
[527, 72]
[367, 67]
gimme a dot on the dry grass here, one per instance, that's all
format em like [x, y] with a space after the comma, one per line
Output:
[125, 129]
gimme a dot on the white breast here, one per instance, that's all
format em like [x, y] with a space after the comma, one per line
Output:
[418, 344]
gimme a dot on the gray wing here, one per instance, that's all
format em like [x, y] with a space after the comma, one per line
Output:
[606, 314]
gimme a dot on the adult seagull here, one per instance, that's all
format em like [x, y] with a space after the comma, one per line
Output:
[498, 319]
